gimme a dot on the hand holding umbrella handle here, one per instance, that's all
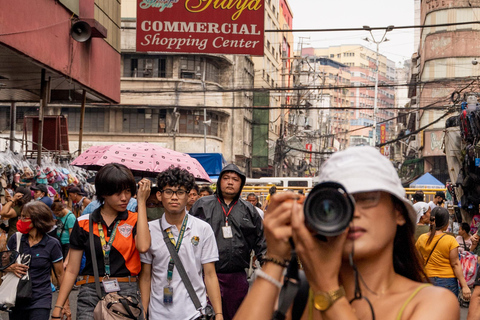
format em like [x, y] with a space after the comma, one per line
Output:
[143, 193]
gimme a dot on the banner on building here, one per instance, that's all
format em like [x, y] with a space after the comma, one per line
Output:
[433, 143]
[193, 26]
[383, 137]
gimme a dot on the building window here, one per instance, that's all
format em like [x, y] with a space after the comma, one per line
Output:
[147, 66]
[191, 67]
[192, 122]
[144, 121]
[94, 119]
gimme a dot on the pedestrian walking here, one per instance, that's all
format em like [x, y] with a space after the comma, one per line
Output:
[440, 254]
[13, 208]
[79, 201]
[163, 290]
[119, 236]
[65, 222]
[45, 252]
[193, 196]
[238, 230]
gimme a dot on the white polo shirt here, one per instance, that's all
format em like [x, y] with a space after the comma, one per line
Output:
[198, 247]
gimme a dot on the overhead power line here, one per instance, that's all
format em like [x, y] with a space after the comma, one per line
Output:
[367, 28]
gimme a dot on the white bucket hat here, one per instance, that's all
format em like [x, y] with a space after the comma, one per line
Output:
[364, 169]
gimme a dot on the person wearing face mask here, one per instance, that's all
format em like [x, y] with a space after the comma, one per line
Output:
[155, 208]
[12, 209]
[40, 193]
[45, 252]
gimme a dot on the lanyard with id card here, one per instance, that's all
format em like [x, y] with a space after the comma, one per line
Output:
[110, 285]
[168, 289]
[227, 230]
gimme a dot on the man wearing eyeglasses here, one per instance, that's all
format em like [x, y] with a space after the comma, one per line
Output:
[164, 294]
[238, 230]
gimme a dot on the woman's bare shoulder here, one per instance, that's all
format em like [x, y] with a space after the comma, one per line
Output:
[425, 304]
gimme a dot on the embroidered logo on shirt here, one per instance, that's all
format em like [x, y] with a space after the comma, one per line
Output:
[195, 240]
[125, 230]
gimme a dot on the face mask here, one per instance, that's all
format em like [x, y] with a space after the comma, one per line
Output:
[24, 226]
[154, 213]
[39, 198]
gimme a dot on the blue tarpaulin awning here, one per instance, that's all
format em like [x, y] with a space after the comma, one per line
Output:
[213, 163]
[427, 181]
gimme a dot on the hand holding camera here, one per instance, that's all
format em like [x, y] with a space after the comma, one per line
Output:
[277, 224]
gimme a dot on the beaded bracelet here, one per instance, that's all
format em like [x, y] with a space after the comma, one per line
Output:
[269, 278]
[281, 263]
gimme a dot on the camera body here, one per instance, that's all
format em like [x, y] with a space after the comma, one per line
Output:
[328, 209]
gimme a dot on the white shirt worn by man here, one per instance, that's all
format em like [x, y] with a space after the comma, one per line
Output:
[198, 247]
[432, 205]
[260, 212]
[420, 207]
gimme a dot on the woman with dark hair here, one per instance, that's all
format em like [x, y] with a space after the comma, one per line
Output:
[65, 222]
[371, 270]
[13, 207]
[440, 254]
[45, 251]
[119, 234]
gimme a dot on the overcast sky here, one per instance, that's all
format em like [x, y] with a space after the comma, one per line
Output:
[322, 14]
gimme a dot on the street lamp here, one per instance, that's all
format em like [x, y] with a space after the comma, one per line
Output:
[375, 110]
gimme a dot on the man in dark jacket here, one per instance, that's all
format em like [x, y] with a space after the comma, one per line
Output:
[238, 230]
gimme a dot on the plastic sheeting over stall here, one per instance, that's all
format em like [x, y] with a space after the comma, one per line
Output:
[213, 163]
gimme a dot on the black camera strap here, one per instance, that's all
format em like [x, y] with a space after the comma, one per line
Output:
[291, 284]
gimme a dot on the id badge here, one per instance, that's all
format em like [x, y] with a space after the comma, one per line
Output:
[227, 232]
[167, 295]
[111, 285]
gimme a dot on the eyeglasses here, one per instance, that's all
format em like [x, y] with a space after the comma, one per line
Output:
[168, 193]
[366, 200]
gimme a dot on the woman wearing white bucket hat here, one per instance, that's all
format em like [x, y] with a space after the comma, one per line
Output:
[390, 282]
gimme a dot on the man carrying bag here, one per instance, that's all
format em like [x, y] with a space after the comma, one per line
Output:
[179, 241]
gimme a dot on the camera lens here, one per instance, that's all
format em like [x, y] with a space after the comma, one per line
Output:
[328, 209]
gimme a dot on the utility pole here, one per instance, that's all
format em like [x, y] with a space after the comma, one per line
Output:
[375, 108]
[13, 124]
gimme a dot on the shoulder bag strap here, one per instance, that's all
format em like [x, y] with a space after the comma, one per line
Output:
[19, 241]
[464, 244]
[180, 268]
[434, 249]
[94, 257]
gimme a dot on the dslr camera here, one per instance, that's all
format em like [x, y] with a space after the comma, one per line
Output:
[328, 209]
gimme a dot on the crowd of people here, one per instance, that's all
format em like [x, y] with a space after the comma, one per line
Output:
[170, 243]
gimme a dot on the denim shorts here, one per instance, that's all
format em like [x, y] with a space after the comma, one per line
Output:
[447, 283]
[88, 299]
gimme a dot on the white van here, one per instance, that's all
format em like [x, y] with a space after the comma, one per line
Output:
[282, 181]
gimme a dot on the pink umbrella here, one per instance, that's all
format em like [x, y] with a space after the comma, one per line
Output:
[144, 159]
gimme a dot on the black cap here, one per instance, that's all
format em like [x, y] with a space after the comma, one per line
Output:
[440, 194]
[41, 187]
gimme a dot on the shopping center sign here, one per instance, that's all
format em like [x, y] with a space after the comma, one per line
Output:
[201, 26]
